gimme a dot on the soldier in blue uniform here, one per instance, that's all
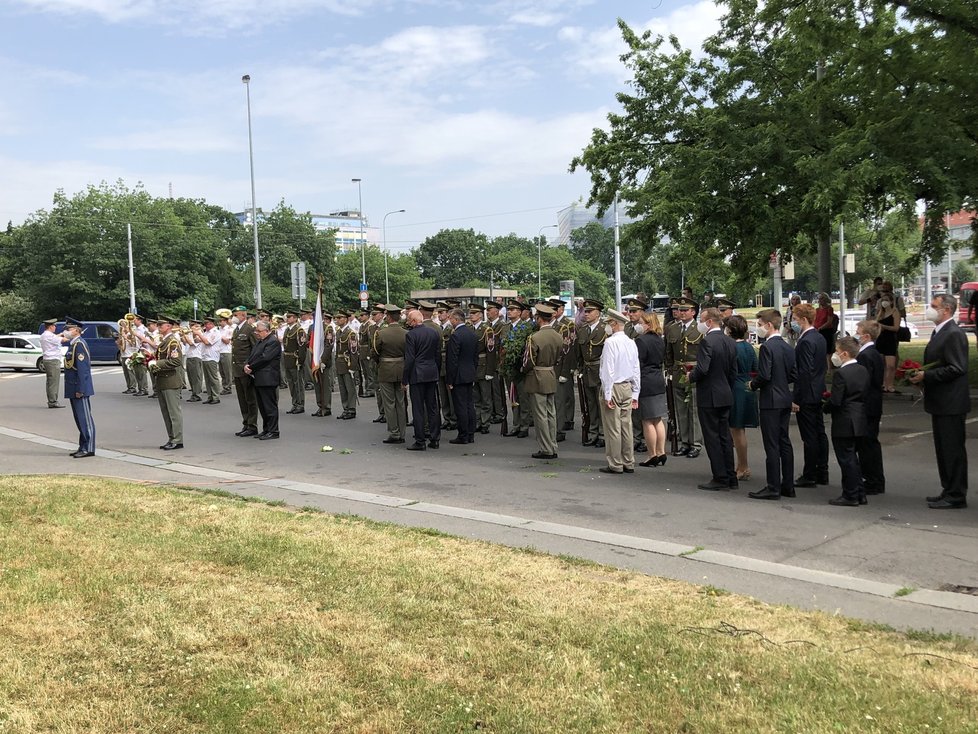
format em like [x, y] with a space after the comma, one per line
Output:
[79, 388]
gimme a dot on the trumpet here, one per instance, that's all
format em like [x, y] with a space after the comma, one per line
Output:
[185, 330]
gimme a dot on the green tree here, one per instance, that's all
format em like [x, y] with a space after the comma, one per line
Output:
[452, 257]
[402, 273]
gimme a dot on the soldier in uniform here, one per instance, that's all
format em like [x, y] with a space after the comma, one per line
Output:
[294, 357]
[498, 385]
[227, 330]
[565, 368]
[79, 388]
[305, 322]
[169, 357]
[388, 349]
[635, 308]
[367, 332]
[682, 344]
[522, 411]
[324, 375]
[154, 336]
[590, 344]
[483, 390]
[449, 421]
[242, 341]
[347, 348]
[725, 306]
[210, 356]
[194, 365]
[540, 384]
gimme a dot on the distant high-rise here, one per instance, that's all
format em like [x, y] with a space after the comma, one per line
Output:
[578, 215]
[346, 223]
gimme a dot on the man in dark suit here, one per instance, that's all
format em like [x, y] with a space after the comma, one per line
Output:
[422, 364]
[461, 363]
[265, 368]
[807, 403]
[713, 375]
[775, 373]
[868, 447]
[850, 385]
[947, 400]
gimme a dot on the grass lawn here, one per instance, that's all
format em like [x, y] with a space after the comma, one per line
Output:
[133, 608]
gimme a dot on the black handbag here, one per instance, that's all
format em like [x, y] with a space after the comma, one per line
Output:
[903, 333]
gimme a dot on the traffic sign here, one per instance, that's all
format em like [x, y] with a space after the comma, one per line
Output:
[364, 296]
[298, 280]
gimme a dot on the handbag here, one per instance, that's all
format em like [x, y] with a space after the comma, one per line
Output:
[903, 332]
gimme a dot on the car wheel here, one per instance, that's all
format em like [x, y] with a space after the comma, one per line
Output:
[118, 358]
[40, 364]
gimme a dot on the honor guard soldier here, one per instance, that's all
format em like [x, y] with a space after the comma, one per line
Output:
[513, 310]
[498, 324]
[483, 377]
[323, 378]
[242, 341]
[540, 383]
[449, 421]
[590, 344]
[522, 411]
[347, 348]
[294, 354]
[725, 306]
[565, 368]
[79, 388]
[388, 350]
[635, 308]
[682, 345]
[166, 364]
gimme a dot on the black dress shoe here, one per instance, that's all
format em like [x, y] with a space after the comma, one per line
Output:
[628, 469]
[56, 405]
[875, 491]
[512, 434]
[433, 444]
[788, 492]
[495, 421]
[470, 440]
[485, 429]
[297, 411]
[641, 448]
[163, 446]
[598, 443]
[588, 442]
[172, 446]
[804, 482]
[317, 414]
[609, 470]
[416, 447]
[715, 486]
[211, 401]
[130, 391]
[824, 479]
[654, 461]
[946, 504]
[82, 454]
[768, 493]
[932, 498]
[523, 434]
[379, 419]
[844, 502]
[681, 451]
[735, 484]
[693, 452]
[290, 412]
[393, 440]
[561, 436]
[153, 396]
[268, 436]
[458, 440]
[541, 455]
[246, 433]
[142, 394]
[569, 426]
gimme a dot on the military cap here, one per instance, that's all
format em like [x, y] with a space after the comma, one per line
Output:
[69, 321]
[302, 311]
[593, 303]
[263, 312]
[453, 303]
[411, 303]
[392, 308]
[636, 303]
[426, 305]
[239, 308]
[295, 312]
[556, 303]
[208, 319]
[327, 315]
[152, 321]
[194, 321]
[475, 307]
[545, 308]
[493, 304]
[253, 314]
[513, 303]
[724, 304]
[617, 316]
[378, 308]
[682, 302]
[443, 305]
[343, 312]
[164, 319]
[50, 322]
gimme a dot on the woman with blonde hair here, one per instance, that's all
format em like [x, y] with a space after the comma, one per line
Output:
[652, 393]
[888, 318]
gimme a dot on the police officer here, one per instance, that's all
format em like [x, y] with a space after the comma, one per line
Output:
[294, 357]
[682, 345]
[590, 344]
[242, 341]
[166, 365]
[79, 388]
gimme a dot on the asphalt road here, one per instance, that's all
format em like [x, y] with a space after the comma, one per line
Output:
[895, 539]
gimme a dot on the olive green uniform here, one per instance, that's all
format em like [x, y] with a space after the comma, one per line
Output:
[347, 348]
[169, 358]
[388, 350]
[590, 345]
[565, 368]
[682, 344]
[501, 330]
[540, 384]
[294, 357]
[447, 404]
[242, 342]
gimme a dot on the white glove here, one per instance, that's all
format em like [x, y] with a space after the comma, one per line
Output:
[489, 377]
[561, 379]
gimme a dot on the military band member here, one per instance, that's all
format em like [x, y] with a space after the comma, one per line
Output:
[449, 421]
[227, 331]
[682, 344]
[565, 368]
[194, 364]
[127, 345]
[154, 336]
[483, 377]
[388, 350]
[166, 364]
[79, 388]
[540, 384]
[323, 377]
[590, 344]
[242, 342]
[347, 348]
[294, 349]
[210, 356]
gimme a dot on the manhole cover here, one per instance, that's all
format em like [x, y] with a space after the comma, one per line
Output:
[958, 589]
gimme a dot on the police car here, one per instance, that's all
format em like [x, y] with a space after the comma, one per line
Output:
[22, 351]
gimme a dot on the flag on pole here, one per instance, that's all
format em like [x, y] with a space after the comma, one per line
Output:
[317, 337]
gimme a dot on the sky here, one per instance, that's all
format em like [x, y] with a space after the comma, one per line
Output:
[463, 113]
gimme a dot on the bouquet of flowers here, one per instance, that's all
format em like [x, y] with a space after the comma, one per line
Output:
[136, 360]
[513, 350]
[907, 369]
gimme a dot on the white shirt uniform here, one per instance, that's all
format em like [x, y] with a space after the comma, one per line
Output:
[619, 363]
[50, 345]
[210, 348]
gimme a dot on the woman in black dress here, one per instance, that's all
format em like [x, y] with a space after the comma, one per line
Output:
[888, 317]
[652, 394]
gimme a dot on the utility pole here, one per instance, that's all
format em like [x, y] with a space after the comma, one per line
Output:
[132, 277]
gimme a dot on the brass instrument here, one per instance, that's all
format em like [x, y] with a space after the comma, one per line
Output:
[223, 313]
[127, 334]
[277, 320]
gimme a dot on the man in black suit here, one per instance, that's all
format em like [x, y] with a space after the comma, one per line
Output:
[809, 386]
[422, 365]
[714, 374]
[868, 447]
[264, 366]
[947, 400]
[775, 373]
[461, 363]
[850, 384]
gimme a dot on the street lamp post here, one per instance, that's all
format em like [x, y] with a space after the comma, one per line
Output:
[387, 282]
[363, 250]
[246, 79]
[540, 258]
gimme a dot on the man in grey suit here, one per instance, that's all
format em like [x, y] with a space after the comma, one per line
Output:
[947, 400]
[422, 366]
[714, 374]
[775, 373]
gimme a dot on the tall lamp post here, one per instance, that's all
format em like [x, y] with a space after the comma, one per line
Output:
[363, 250]
[387, 282]
[254, 206]
[540, 258]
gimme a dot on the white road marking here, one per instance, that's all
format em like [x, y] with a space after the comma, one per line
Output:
[927, 433]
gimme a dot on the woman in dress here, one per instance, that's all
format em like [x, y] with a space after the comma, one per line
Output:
[743, 414]
[652, 394]
[888, 317]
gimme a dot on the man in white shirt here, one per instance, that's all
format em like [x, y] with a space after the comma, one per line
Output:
[210, 357]
[227, 332]
[620, 383]
[194, 366]
[139, 372]
[51, 360]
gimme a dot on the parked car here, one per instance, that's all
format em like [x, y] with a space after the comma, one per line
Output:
[965, 293]
[22, 351]
[854, 317]
[100, 337]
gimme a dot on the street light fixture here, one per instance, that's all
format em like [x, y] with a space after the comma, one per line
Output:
[246, 79]
[387, 283]
[363, 250]
[540, 258]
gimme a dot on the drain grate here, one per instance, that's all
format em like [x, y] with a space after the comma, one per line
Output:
[958, 589]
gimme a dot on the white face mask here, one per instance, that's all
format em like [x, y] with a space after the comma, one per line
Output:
[836, 360]
[640, 328]
[607, 329]
[701, 327]
[884, 305]
[235, 320]
[932, 314]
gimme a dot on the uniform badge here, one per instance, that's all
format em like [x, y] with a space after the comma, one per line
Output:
[174, 353]
[81, 357]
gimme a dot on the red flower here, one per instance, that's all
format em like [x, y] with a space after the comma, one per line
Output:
[826, 395]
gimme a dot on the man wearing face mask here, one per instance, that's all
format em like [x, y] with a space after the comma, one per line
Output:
[807, 404]
[868, 447]
[714, 376]
[947, 400]
[850, 384]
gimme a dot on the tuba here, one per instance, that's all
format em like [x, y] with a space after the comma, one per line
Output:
[223, 313]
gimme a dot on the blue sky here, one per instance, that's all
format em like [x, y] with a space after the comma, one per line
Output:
[465, 114]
